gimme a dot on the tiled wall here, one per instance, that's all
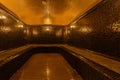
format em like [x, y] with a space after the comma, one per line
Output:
[12, 33]
[99, 30]
[46, 34]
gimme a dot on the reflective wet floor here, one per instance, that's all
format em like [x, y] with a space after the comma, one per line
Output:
[46, 67]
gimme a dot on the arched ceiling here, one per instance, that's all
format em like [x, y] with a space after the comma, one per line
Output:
[55, 12]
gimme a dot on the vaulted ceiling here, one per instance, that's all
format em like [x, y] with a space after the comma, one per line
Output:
[55, 12]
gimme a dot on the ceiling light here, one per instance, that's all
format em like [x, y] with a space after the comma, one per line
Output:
[47, 21]
[44, 2]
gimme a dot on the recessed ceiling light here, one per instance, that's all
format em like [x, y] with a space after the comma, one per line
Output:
[44, 2]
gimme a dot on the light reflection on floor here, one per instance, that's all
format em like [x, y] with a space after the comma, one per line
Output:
[46, 67]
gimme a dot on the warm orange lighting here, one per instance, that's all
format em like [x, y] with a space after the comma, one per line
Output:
[44, 2]
[48, 72]
[59, 33]
[2, 17]
[85, 29]
[72, 26]
[68, 32]
[17, 20]
[5, 29]
[62, 11]
[47, 28]
[47, 11]
[25, 31]
[47, 21]
[116, 27]
[35, 32]
[20, 26]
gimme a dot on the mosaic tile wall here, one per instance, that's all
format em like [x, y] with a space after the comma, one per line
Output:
[46, 34]
[12, 33]
[99, 30]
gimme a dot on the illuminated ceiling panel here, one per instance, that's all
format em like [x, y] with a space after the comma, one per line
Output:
[55, 12]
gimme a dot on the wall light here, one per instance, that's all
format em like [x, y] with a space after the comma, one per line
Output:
[5, 29]
[20, 26]
[85, 29]
[47, 28]
[2, 17]
[35, 32]
[116, 26]
[72, 26]
[59, 33]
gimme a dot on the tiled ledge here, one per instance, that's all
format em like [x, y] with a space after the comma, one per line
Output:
[104, 61]
[111, 64]
[7, 55]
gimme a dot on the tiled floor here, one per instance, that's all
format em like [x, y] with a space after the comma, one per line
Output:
[46, 67]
